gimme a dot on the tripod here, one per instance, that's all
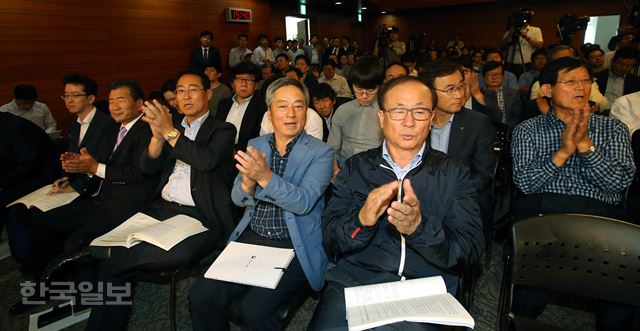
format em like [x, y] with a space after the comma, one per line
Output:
[515, 46]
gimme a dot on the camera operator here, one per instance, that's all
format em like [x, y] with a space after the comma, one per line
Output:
[387, 45]
[522, 39]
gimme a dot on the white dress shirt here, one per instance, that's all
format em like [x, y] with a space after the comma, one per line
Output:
[236, 113]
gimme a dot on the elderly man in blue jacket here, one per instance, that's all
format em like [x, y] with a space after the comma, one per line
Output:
[379, 235]
[282, 177]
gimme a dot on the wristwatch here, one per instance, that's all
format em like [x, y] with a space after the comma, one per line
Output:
[590, 151]
[172, 135]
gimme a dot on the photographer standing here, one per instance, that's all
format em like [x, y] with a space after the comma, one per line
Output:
[387, 45]
[522, 39]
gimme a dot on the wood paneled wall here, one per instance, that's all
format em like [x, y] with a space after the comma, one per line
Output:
[147, 40]
[484, 24]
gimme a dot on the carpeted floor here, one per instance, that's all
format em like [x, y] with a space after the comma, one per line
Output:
[151, 308]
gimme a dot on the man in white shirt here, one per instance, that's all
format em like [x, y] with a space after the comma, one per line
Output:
[627, 109]
[337, 82]
[237, 54]
[263, 52]
[24, 104]
[528, 39]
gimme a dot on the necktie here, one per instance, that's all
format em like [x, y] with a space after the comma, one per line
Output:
[501, 106]
[206, 53]
[121, 134]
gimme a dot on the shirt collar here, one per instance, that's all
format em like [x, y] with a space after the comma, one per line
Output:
[243, 101]
[414, 161]
[274, 148]
[130, 124]
[195, 123]
[88, 118]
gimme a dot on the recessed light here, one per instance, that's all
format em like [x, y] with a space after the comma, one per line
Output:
[364, 8]
[338, 3]
[383, 12]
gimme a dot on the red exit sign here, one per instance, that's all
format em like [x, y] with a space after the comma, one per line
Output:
[242, 15]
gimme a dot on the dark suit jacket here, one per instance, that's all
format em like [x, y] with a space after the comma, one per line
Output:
[99, 126]
[631, 82]
[125, 186]
[329, 50]
[198, 61]
[250, 126]
[513, 106]
[28, 158]
[211, 159]
[309, 81]
[471, 141]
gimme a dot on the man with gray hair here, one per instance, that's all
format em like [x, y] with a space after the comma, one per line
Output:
[281, 182]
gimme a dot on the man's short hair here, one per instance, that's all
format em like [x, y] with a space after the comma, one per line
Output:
[323, 91]
[440, 68]
[296, 70]
[302, 57]
[25, 92]
[402, 80]
[245, 68]
[491, 51]
[215, 65]
[550, 72]
[206, 33]
[490, 66]
[276, 39]
[243, 35]
[557, 48]
[169, 85]
[268, 65]
[134, 88]
[329, 62]
[346, 38]
[367, 73]
[89, 85]
[463, 61]
[284, 55]
[282, 82]
[204, 80]
[628, 52]
[538, 52]
[263, 36]
[406, 70]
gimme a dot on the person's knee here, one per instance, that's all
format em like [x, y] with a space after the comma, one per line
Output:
[255, 317]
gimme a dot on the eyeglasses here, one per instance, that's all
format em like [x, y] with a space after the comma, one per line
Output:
[574, 82]
[191, 91]
[460, 88]
[364, 93]
[72, 96]
[247, 81]
[419, 114]
[494, 75]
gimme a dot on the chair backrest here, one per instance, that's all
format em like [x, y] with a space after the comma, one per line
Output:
[585, 255]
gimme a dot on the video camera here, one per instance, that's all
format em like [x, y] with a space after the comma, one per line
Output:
[384, 31]
[568, 25]
[519, 18]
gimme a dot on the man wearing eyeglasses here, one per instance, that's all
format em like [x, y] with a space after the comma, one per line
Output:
[571, 161]
[618, 80]
[379, 235]
[193, 157]
[245, 108]
[355, 126]
[461, 133]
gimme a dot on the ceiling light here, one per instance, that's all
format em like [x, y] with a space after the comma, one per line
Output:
[383, 12]
[364, 8]
[338, 3]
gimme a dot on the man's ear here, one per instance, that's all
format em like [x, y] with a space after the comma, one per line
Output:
[546, 90]
[381, 118]
[91, 98]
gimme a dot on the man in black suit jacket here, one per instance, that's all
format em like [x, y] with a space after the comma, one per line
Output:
[205, 53]
[195, 158]
[334, 49]
[622, 82]
[117, 188]
[86, 132]
[461, 133]
[246, 108]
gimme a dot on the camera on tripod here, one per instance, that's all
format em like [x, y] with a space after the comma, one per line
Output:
[519, 18]
[568, 25]
[384, 32]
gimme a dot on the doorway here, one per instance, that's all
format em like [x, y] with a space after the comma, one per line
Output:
[600, 29]
[297, 28]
